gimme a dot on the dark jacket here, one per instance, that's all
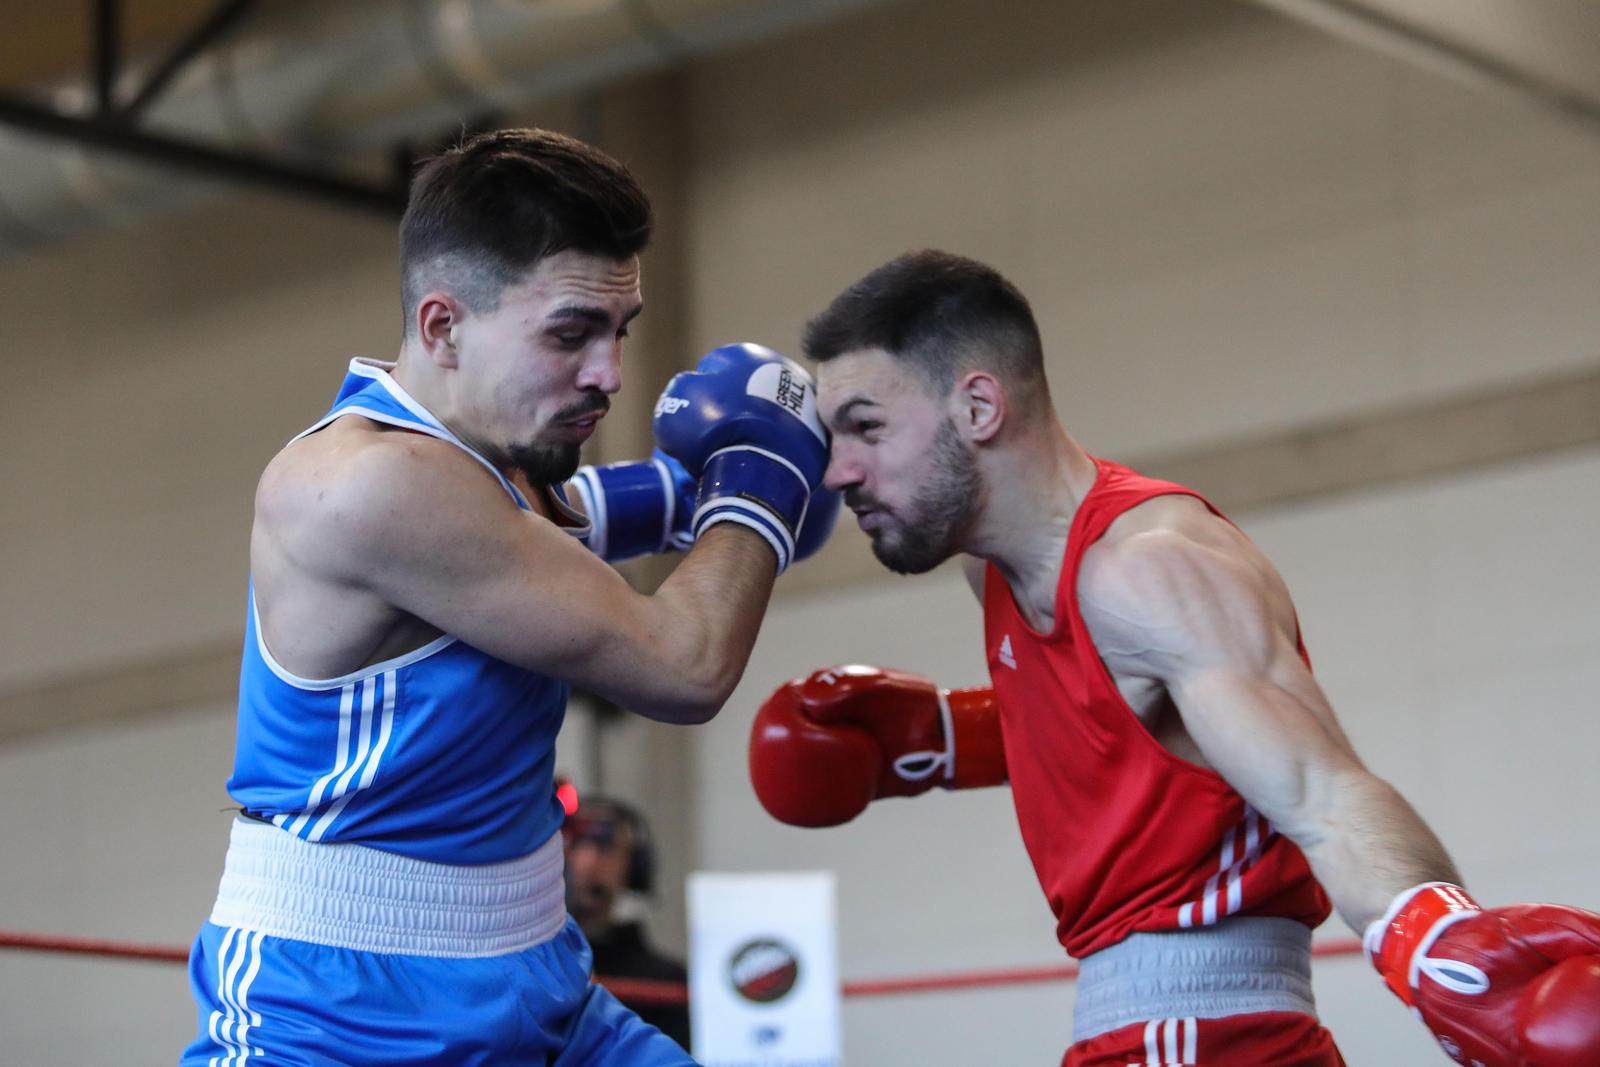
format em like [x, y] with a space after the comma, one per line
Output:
[623, 952]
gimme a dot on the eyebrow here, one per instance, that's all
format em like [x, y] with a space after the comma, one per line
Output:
[599, 316]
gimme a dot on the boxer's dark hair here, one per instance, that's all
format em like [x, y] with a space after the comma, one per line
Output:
[483, 213]
[942, 312]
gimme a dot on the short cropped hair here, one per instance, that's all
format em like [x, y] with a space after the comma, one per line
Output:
[484, 213]
[942, 313]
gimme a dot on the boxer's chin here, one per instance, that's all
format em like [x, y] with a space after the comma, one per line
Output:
[908, 552]
[546, 464]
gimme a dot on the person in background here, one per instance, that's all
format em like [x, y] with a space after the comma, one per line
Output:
[610, 855]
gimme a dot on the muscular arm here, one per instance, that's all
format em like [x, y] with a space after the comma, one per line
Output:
[417, 525]
[1198, 610]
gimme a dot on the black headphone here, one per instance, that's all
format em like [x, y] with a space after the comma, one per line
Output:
[641, 877]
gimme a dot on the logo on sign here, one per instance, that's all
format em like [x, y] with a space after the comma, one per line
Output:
[763, 970]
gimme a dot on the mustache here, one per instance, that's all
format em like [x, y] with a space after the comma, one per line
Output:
[597, 404]
[859, 500]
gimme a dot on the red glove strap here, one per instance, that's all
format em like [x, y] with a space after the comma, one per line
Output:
[1393, 942]
[980, 755]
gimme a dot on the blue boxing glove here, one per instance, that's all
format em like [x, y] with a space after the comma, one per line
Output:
[744, 422]
[636, 508]
[821, 514]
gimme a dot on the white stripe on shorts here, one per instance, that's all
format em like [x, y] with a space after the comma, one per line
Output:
[1162, 1038]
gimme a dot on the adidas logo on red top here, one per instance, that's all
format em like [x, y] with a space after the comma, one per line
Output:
[1005, 652]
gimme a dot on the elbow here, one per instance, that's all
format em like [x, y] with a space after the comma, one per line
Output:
[708, 696]
[695, 674]
[710, 689]
[708, 674]
[682, 710]
[699, 714]
[695, 700]
[1333, 809]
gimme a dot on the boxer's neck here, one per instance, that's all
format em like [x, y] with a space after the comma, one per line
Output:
[1033, 488]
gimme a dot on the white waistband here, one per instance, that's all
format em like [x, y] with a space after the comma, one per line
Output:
[1241, 965]
[351, 896]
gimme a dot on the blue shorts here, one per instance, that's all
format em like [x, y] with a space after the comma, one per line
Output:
[274, 1000]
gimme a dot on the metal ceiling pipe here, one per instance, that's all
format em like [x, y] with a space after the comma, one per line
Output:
[343, 83]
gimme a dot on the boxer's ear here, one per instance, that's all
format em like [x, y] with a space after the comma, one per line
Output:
[978, 405]
[439, 317]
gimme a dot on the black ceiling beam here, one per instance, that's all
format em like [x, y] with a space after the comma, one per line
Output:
[203, 160]
[107, 51]
[208, 32]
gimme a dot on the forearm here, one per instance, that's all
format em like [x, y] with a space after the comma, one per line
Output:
[1368, 844]
[706, 616]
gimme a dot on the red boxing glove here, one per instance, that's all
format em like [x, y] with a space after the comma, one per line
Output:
[825, 746]
[1507, 987]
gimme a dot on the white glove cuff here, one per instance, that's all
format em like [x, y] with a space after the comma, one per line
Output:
[751, 516]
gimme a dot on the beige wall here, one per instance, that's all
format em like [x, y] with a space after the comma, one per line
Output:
[150, 375]
[1229, 226]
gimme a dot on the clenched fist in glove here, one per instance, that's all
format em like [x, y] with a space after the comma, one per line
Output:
[744, 424]
[1501, 987]
[825, 746]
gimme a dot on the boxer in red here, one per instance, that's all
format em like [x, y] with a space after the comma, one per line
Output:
[1189, 801]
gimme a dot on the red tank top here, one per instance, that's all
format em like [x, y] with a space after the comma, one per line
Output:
[1124, 835]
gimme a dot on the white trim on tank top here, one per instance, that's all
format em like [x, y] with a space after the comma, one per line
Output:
[405, 659]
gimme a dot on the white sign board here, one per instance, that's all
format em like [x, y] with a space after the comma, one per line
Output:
[764, 970]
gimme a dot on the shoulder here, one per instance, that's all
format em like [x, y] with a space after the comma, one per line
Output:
[1171, 576]
[1168, 546]
[357, 485]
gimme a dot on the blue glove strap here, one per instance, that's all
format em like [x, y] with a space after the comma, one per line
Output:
[757, 489]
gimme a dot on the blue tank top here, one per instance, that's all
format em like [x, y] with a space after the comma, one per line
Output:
[444, 754]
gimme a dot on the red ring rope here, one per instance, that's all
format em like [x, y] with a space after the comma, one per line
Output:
[642, 990]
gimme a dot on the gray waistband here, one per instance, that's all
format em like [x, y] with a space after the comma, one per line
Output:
[1244, 964]
[351, 896]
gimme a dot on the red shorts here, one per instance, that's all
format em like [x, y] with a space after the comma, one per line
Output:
[1265, 1039]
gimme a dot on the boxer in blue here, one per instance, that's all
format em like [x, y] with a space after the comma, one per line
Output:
[422, 597]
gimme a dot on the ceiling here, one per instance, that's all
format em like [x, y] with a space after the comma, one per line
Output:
[1547, 51]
